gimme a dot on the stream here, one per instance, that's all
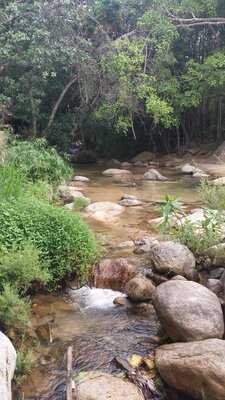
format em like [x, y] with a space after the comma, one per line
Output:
[87, 318]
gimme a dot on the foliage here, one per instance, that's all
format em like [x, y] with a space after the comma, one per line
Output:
[12, 182]
[68, 71]
[80, 203]
[24, 364]
[37, 161]
[213, 196]
[21, 268]
[65, 242]
[14, 311]
[199, 237]
[170, 207]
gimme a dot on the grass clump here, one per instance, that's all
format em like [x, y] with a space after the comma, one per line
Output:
[212, 195]
[37, 161]
[14, 310]
[22, 267]
[80, 203]
[24, 364]
[64, 241]
[198, 236]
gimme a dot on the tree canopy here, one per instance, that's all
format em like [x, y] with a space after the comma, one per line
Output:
[148, 73]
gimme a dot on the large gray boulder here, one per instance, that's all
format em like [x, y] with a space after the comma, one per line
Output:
[173, 257]
[188, 311]
[154, 175]
[101, 386]
[7, 366]
[195, 368]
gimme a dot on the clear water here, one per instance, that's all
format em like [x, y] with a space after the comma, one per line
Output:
[87, 318]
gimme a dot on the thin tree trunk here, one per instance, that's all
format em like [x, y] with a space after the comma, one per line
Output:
[58, 102]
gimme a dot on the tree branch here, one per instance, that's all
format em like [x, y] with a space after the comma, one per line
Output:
[185, 22]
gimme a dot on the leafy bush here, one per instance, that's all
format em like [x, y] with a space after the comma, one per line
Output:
[213, 196]
[199, 237]
[63, 239]
[24, 364]
[170, 207]
[21, 267]
[14, 311]
[12, 182]
[80, 203]
[38, 161]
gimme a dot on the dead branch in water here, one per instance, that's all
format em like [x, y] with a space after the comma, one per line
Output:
[147, 386]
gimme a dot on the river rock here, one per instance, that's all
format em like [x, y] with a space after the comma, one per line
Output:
[218, 182]
[188, 311]
[104, 211]
[145, 244]
[216, 255]
[189, 169]
[130, 202]
[78, 178]
[7, 366]
[139, 289]
[154, 175]
[101, 386]
[195, 368]
[126, 164]
[145, 156]
[173, 257]
[117, 172]
[69, 193]
[113, 273]
[215, 286]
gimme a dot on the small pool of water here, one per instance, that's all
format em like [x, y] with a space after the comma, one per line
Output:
[97, 330]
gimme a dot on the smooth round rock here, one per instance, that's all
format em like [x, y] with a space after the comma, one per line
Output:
[188, 311]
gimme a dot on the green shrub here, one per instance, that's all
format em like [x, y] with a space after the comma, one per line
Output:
[14, 311]
[40, 190]
[80, 203]
[22, 267]
[213, 196]
[24, 364]
[38, 161]
[12, 182]
[63, 239]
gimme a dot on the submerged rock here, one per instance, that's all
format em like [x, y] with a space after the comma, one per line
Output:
[154, 175]
[104, 211]
[173, 257]
[101, 386]
[188, 311]
[116, 172]
[139, 289]
[130, 202]
[113, 273]
[195, 368]
[7, 366]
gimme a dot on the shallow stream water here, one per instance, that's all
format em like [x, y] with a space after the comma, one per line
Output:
[87, 318]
